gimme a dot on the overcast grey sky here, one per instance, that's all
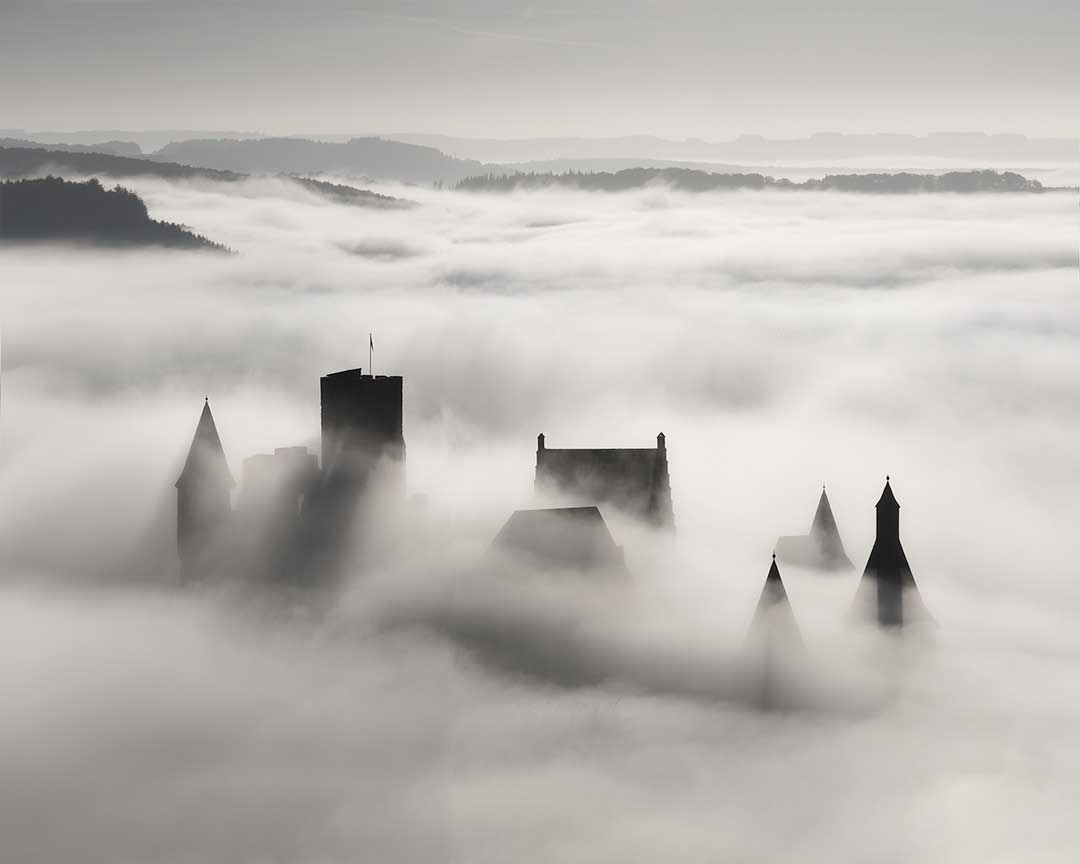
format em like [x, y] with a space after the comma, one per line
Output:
[681, 68]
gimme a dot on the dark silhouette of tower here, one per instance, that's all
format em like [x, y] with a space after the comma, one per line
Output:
[887, 582]
[362, 430]
[203, 493]
[821, 548]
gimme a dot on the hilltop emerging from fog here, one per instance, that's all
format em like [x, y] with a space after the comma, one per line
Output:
[689, 180]
[55, 209]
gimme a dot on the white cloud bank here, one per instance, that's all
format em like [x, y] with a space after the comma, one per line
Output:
[780, 341]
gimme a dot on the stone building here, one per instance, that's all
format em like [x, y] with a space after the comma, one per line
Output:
[634, 481]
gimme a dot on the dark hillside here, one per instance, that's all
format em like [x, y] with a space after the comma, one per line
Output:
[55, 209]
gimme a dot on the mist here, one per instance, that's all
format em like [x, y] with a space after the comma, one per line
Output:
[428, 711]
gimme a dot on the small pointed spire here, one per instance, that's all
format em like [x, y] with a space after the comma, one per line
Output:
[887, 496]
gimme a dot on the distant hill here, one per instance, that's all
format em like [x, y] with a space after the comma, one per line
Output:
[352, 196]
[55, 209]
[35, 161]
[756, 149]
[30, 161]
[688, 180]
[147, 140]
[375, 158]
[112, 148]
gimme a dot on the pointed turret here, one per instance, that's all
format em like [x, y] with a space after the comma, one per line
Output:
[822, 548]
[202, 494]
[774, 646]
[888, 514]
[206, 457]
[773, 618]
[888, 585]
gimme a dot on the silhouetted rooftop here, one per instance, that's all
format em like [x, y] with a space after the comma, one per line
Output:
[888, 585]
[887, 496]
[634, 480]
[574, 538]
[206, 456]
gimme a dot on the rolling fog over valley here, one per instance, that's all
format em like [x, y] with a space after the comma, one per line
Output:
[425, 708]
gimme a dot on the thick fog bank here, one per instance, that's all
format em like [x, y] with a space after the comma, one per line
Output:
[779, 341]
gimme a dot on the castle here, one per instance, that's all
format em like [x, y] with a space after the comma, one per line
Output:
[294, 515]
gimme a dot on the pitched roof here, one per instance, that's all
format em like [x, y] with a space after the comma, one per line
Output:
[206, 457]
[634, 480]
[560, 538]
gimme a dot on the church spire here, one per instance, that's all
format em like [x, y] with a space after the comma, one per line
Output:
[773, 617]
[888, 586]
[206, 456]
[202, 497]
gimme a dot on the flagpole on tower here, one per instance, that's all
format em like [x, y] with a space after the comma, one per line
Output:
[370, 352]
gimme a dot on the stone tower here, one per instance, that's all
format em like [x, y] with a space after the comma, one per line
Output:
[362, 430]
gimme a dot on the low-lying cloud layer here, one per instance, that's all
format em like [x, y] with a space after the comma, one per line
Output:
[779, 341]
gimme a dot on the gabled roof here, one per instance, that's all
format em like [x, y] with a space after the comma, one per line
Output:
[574, 538]
[206, 457]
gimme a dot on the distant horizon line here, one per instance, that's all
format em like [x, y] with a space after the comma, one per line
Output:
[8, 131]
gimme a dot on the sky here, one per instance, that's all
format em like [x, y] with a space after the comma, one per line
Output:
[681, 68]
[436, 712]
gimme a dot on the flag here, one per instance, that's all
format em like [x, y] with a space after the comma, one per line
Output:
[371, 342]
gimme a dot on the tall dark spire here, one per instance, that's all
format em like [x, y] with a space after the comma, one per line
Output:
[888, 514]
[888, 585]
[202, 496]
